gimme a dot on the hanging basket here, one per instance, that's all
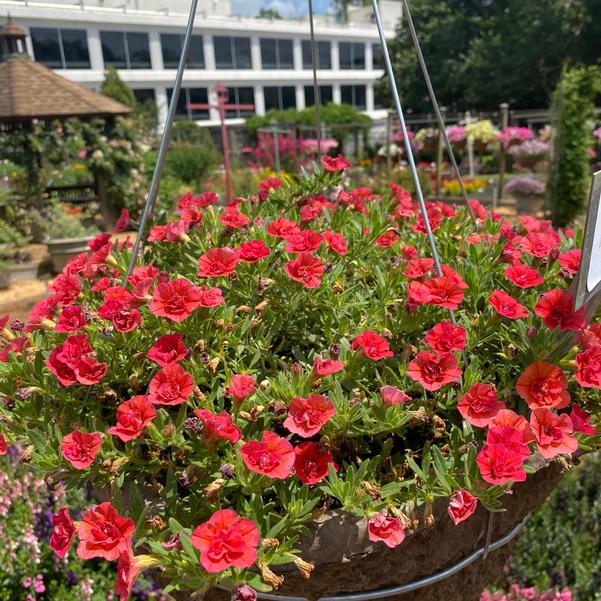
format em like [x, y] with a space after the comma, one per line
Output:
[346, 562]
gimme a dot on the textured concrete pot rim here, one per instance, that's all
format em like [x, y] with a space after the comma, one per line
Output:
[65, 241]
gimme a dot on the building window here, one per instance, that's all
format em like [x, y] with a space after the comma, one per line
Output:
[171, 45]
[125, 50]
[323, 52]
[377, 56]
[186, 97]
[352, 55]
[277, 54]
[279, 98]
[60, 48]
[245, 95]
[144, 95]
[354, 95]
[325, 95]
[232, 53]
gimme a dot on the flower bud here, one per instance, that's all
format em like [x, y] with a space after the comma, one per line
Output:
[193, 424]
[169, 430]
[243, 310]
[263, 385]
[277, 407]
[173, 543]
[212, 490]
[262, 306]
[227, 471]
[212, 365]
[198, 394]
[337, 288]
[156, 522]
[199, 347]
[243, 592]
[296, 368]
[17, 325]
[335, 350]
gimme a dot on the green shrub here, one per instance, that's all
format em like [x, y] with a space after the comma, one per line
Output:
[114, 87]
[561, 545]
[190, 163]
[188, 132]
[574, 102]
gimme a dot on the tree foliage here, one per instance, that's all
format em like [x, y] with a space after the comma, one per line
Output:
[268, 13]
[114, 87]
[516, 47]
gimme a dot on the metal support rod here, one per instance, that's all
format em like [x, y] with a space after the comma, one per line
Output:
[316, 94]
[387, 592]
[410, 159]
[275, 132]
[504, 108]
[165, 139]
[437, 111]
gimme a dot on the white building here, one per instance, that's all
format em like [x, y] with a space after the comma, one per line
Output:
[263, 62]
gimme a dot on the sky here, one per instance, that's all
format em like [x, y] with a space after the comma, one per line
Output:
[287, 8]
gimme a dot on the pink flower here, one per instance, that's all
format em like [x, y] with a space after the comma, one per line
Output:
[335, 163]
[272, 456]
[385, 528]
[480, 404]
[306, 269]
[306, 416]
[312, 463]
[218, 427]
[326, 367]
[132, 417]
[582, 421]
[240, 386]
[461, 506]
[373, 346]
[393, 396]
[553, 433]
[172, 385]
[432, 371]
[218, 262]
[175, 300]
[80, 448]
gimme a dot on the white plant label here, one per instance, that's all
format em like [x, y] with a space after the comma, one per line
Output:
[594, 272]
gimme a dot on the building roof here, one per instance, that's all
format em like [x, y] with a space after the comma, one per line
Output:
[11, 30]
[32, 91]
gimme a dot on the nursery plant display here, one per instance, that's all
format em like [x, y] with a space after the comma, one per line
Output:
[291, 356]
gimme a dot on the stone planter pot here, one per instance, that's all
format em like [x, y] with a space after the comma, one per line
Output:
[62, 250]
[347, 562]
[23, 271]
[529, 204]
[4, 279]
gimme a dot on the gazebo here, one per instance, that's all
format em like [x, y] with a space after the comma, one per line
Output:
[31, 92]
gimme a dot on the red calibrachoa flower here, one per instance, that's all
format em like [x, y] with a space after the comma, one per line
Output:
[272, 456]
[80, 448]
[305, 241]
[582, 421]
[168, 349]
[433, 371]
[210, 297]
[511, 437]
[418, 268]
[66, 289]
[500, 464]
[386, 239]
[306, 269]
[523, 276]
[172, 385]
[253, 250]
[218, 427]
[441, 291]
[282, 228]
[446, 337]
[555, 307]
[88, 371]
[104, 533]
[218, 262]
[267, 186]
[72, 361]
[543, 385]
[508, 418]
[175, 300]
[504, 304]
[18, 345]
[3, 445]
[391, 395]
[63, 532]
[335, 163]
[461, 506]
[132, 417]
[127, 572]
[539, 244]
[336, 242]
[480, 404]
[385, 528]
[306, 416]
[553, 433]
[71, 319]
[311, 463]
[326, 367]
[233, 218]
[226, 541]
[240, 386]
[373, 345]
[588, 367]
[570, 261]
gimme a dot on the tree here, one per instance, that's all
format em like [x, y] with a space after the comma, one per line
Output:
[114, 87]
[483, 52]
[269, 13]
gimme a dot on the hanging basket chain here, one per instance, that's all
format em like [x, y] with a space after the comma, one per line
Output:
[164, 145]
[437, 111]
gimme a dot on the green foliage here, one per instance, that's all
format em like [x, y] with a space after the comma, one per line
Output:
[114, 87]
[188, 132]
[268, 13]
[561, 545]
[11, 235]
[501, 44]
[62, 224]
[574, 103]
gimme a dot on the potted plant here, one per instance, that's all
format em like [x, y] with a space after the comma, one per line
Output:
[481, 133]
[529, 194]
[530, 153]
[67, 236]
[17, 261]
[278, 397]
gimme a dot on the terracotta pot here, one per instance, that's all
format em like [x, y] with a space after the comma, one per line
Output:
[347, 562]
[528, 204]
[64, 249]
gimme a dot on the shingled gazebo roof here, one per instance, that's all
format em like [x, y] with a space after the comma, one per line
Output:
[30, 90]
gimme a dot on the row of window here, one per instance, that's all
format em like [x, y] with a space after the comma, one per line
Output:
[276, 97]
[68, 49]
